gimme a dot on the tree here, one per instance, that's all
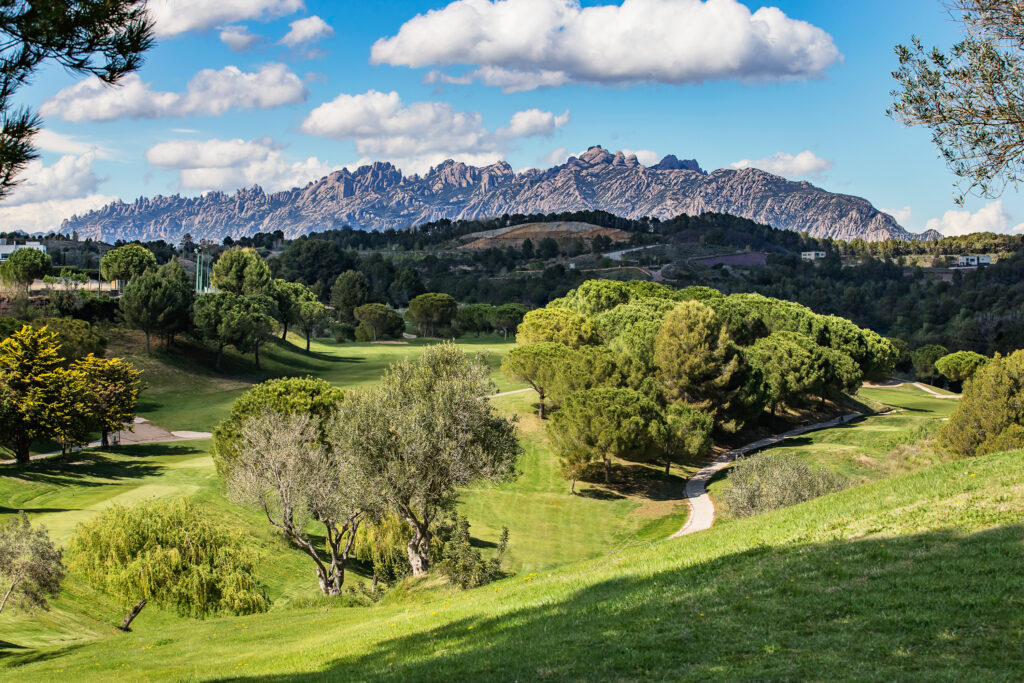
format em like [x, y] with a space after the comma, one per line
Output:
[24, 266]
[423, 434]
[547, 248]
[990, 415]
[536, 364]
[77, 338]
[406, 286]
[698, 363]
[284, 468]
[555, 325]
[256, 324]
[507, 317]
[31, 568]
[67, 415]
[599, 424]
[168, 553]
[596, 296]
[970, 98]
[242, 271]
[349, 291]
[587, 367]
[960, 366]
[687, 434]
[141, 303]
[432, 309]
[111, 392]
[924, 361]
[28, 359]
[289, 396]
[379, 318]
[789, 366]
[288, 296]
[475, 318]
[127, 262]
[311, 315]
[217, 319]
[102, 39]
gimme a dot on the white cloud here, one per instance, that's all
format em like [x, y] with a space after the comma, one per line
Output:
[437, 76]
[68, 178]
[50, 141]
[173, 17]
[533, 123]
[992, 217]
[49, 194]
[238, 38]
[903, 216]
[46, 216]
[804, 164]
[555, 157]
[420, 134]
[306, 31]
[230, 164]
[647, 157]
[209, 92]
[524, 44]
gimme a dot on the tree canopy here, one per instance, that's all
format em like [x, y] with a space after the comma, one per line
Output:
[559, 325]
[432, 310]
[24, 266]
[242, 271]
[31, 567]
[126, 262]
[960, 366]
[990, 415]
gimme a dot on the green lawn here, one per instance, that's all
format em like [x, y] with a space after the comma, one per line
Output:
[912, 577]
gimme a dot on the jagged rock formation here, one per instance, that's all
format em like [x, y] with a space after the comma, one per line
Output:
[379, 196]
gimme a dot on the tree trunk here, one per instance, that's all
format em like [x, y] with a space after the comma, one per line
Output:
[130, 617]
[8, 594]
[307, 342]
[104, 438]
[607, 471]
[373, 584]
[418, 547]
[22, 452]
[256, 354]
[374, 328]
[506, 333]
[572, 489]
[668, 466]
[540, 406]
[284, 335]
[220, 355]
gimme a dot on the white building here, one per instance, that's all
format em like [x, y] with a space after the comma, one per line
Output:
[7, 249]
[973, 261]
[812, 255]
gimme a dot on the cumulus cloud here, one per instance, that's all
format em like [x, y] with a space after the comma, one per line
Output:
[647, 157]
[306, 31]
[229, 164]
[51, 141]
[525, 44]
[210, 92]
[555, 157]
[903, 216]
[420, 134]
[238, 38]
[802, 165]
[992, 217]
[173, 17]
[49, 194]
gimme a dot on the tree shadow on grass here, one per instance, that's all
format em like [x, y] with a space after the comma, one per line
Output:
[938, 605]
[81, 469]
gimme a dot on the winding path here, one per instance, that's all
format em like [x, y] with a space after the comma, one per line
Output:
[702, 510]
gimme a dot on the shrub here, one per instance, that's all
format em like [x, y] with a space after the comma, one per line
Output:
[990, 415]
[768, 482]
[460, 562]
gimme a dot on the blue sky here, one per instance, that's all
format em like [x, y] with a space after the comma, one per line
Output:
[280, 92]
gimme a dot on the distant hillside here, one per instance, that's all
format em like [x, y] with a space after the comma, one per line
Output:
[379, 196]
[562, 232]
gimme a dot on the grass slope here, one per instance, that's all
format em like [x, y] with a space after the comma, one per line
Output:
[916, 576]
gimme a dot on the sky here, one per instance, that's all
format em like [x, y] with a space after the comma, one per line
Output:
[282, 92]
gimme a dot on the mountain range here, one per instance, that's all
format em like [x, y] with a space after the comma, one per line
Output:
[380, 196]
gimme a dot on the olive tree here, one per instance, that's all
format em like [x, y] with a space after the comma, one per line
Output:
[285, 469]
[168, 553]
[31, 568]
[423, 434]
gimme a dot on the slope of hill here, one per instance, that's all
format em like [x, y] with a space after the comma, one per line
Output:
[561, 231]
[379, 196]
[915, 577]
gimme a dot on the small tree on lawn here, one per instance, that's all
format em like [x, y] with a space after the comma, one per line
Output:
[242, 271]
[284, 469]
[687, 434]
[431, 310]
[378, 317]
[310, 316]
[142, 302]
[507, 317]
[167, 553]
[604, 423]
[538, 365]
[423, 434]
[24, 267]
[28, 359]
[67, 413]
[112, 391]
[31, 568]
[349, 291]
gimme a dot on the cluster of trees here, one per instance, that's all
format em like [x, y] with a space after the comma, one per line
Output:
[646, 372]
[311, 457]
[990, 415]
[44, 395]
[24, 267]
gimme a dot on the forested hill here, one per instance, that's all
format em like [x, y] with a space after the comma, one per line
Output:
[379, 196]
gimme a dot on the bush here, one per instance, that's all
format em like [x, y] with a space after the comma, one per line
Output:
[768, 482]
[460, 562]
[990, 416]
